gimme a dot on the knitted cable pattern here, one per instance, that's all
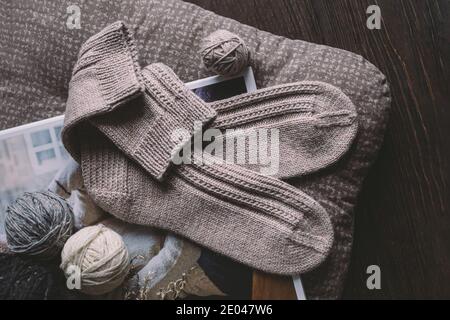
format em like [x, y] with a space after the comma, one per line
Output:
[258, 220]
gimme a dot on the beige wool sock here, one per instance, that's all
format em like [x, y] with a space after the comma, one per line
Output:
[314, 121]
[316, 124]
[119, 121]
[254, 219]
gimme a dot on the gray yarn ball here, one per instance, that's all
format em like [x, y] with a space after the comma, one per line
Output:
[38, 224]
[224, 53]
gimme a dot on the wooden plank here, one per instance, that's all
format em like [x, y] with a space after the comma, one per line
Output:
[272, 287]
[402, 220]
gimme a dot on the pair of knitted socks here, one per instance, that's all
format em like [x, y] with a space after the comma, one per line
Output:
[119, 125]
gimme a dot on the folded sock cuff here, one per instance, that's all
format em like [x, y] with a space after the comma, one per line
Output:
[181, 110]
[107, 75]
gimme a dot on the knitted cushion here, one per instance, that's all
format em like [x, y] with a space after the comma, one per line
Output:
[39, 51]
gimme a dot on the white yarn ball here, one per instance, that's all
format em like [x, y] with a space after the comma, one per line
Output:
[101, 257]
[224, 53]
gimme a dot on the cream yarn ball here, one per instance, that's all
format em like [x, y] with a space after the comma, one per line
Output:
[224, 53]
[101, 257]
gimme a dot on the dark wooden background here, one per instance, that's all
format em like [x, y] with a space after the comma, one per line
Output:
[403, 219]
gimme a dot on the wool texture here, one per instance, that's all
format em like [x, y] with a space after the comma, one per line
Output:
[100, 256]
[224, 53]
[156, 263]
[24, 278]
[315, 122]
[228, 204]
[38, 224]
[275, 60]
[172, 107]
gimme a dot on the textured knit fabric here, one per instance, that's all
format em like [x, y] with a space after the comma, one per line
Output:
[231, 207]
[39, 53]
[316, 124]
[107, 75]
[25, 278]
[163, 265]
[316, 121]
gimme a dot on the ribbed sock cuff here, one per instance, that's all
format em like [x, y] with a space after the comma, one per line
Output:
[181, 110]
[114, 56]
[107, 75]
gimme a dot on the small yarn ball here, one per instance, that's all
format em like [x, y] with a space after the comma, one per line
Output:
[38, 224]
[22, 278]
[224, 53]
[100, 257]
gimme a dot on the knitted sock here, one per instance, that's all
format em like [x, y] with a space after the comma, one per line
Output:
[157, 270]
[249, 217]
[105, 77]
[254, 219]
[315, 123]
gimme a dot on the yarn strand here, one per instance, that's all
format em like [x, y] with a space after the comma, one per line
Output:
[101, 256]
[224, 53]
[38, 224]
